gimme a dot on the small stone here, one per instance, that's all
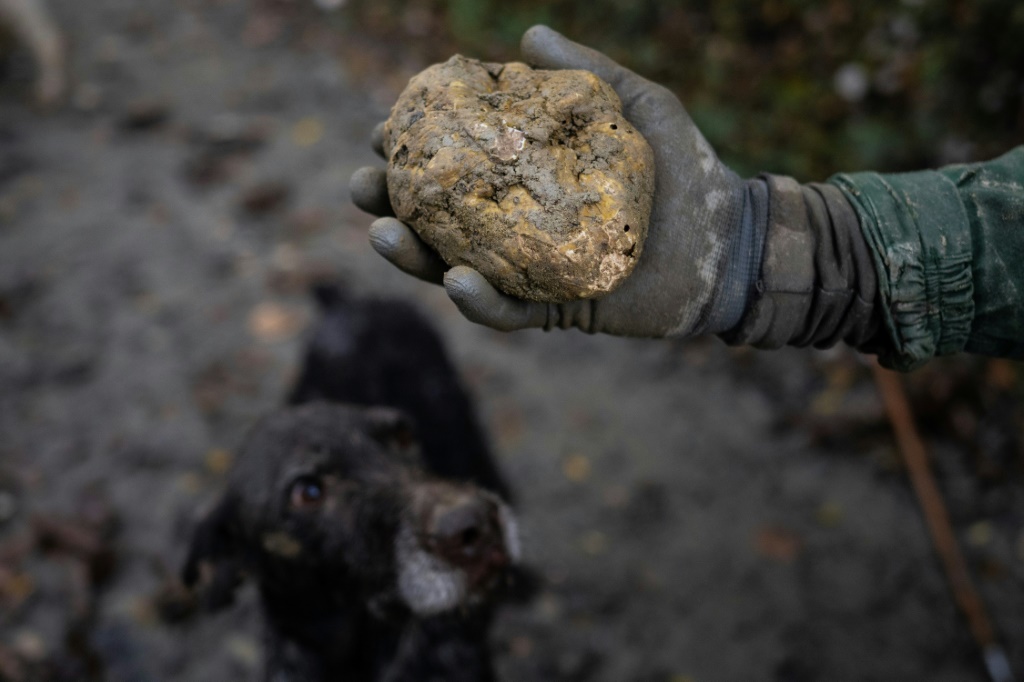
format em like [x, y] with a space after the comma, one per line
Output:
[534, 178]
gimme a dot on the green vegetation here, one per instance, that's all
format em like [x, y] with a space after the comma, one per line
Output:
[923, 82]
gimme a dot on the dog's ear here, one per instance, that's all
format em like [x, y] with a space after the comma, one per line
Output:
[329, 293]
[214, 565]
[390, 427]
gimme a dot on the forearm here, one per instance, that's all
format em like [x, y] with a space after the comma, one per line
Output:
[947, 247]
[909, 266]
[817, 283]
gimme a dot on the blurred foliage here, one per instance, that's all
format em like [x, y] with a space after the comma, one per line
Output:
[792, 86]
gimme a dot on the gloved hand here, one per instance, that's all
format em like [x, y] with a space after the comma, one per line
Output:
[703, 247]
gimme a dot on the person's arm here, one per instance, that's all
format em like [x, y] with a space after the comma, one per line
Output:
[948, 247]
[906, 266]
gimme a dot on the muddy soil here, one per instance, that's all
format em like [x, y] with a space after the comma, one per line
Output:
[697, 513]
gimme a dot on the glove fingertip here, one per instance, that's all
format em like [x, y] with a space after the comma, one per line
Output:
[386, 236]
[538, 34]
[369, 189]
[545, 47]
[396, 242]
[377, 139]
[466, 285]
[480, 302]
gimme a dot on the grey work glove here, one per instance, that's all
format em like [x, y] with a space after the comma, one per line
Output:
[701, 254]
[765, 262]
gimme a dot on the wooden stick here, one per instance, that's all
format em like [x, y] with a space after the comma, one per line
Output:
[935, 514]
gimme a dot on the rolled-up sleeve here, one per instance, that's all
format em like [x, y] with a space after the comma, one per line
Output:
[948, 248]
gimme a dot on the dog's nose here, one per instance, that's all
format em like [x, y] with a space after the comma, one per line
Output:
[466, 531]
[464, 526]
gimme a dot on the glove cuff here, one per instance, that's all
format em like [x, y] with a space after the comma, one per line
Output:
[743, 264]
[817, 283]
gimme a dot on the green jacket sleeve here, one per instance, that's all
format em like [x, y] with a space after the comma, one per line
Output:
[948, 248]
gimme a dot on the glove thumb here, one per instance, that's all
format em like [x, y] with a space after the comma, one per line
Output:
[546, 48]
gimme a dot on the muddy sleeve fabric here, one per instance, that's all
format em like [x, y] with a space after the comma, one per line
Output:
[909, 266]
[948, 250]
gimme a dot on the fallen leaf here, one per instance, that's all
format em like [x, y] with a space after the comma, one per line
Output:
[272, 322]
[594, 543]
[830, 514]
[15, 587]
[308, 132]
[265, 197]
[1002, 374]
[777, 543]
[218, 461]
[980, 534]
[576, 468]
[521, 646]
[145, 114]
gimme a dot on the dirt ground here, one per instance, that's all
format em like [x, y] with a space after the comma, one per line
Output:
[695, 511]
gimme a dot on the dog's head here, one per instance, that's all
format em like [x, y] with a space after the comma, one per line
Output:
[327, 504]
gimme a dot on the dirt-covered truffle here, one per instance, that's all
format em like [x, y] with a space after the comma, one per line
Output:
[532, 177]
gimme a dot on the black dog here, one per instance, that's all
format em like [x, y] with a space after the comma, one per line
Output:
[383, 352]
[369, 568]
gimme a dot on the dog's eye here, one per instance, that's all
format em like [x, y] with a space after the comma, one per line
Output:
[306, 492]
